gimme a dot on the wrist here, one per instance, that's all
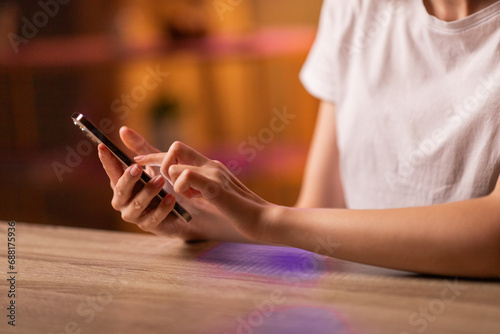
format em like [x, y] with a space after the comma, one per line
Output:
[272, 221]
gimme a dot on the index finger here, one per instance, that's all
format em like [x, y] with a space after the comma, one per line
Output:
[154, 159]
[178, 153]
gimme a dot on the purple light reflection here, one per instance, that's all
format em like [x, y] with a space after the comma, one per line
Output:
[292, 320]
[267, 261]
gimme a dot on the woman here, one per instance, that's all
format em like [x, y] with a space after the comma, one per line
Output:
[404, 163]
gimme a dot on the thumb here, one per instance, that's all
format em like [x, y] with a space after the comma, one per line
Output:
[136, 142]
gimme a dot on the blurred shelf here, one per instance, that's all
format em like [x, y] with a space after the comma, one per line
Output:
[79, 198]
[103, 50]
[82, 64]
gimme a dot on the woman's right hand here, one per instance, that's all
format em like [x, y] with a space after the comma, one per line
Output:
[132, 200]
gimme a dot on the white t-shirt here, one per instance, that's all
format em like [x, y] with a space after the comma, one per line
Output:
[418, 100]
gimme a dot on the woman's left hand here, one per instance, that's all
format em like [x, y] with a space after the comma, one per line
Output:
[193, 175]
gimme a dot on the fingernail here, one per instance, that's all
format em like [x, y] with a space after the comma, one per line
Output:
[139, 157]
[169, 199]
[158, 181]
[136, 170]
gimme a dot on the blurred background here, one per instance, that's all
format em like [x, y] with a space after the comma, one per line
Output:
[214, 74]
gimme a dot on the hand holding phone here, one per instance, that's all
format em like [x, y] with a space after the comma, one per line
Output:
[97, 137]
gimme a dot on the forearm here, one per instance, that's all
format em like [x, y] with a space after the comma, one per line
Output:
[322, 185]
[461, 238]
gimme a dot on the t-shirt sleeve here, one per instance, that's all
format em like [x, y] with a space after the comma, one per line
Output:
[319, 75]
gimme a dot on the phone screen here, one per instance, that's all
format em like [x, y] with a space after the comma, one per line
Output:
[97, 137]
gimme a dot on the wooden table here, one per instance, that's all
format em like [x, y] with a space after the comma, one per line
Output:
[72, 280]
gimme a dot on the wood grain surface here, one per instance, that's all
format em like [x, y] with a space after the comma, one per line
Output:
[71, 280]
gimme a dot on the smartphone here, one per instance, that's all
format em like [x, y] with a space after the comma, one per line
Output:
[97, 137]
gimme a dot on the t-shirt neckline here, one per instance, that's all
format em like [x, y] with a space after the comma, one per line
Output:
[460, 25]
